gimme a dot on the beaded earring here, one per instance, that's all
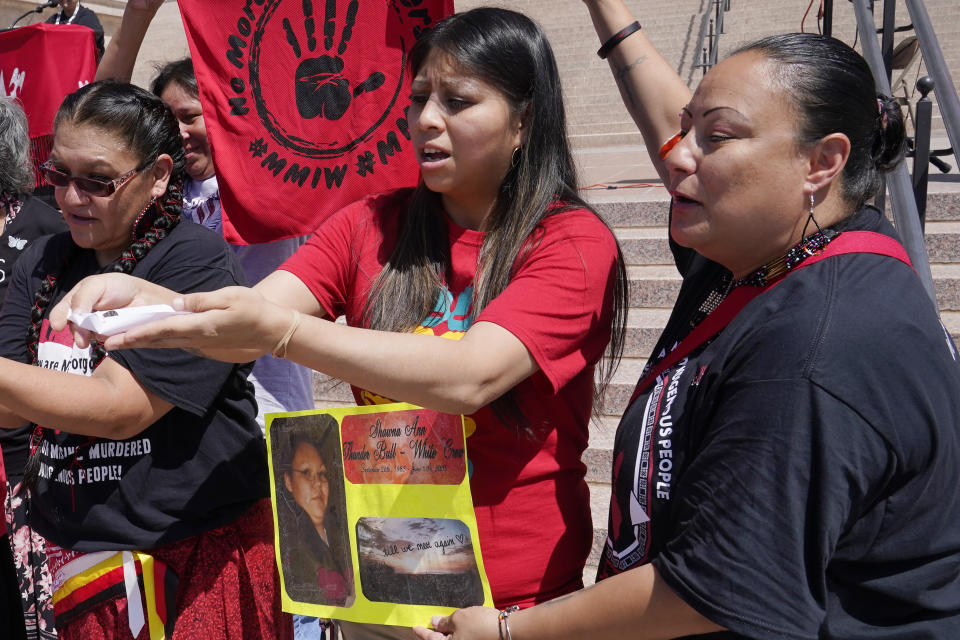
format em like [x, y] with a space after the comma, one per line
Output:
[808, 246]
[135, 231]
[810, 218]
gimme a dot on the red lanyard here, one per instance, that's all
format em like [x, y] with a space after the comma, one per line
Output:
[846, 242]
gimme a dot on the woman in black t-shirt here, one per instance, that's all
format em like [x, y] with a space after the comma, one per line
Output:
[147, 467]
[787, 467]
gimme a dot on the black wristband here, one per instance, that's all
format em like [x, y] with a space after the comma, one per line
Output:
[617, 38]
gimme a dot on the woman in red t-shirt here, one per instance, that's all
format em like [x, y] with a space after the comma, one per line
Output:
[494, 249]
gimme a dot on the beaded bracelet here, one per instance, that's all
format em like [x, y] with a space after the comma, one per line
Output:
[617, 38]
[503, 622]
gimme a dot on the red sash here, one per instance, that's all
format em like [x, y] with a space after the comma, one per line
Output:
[846, 242]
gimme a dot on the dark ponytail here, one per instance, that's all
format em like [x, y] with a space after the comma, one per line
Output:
[831, 88]
[891, 135]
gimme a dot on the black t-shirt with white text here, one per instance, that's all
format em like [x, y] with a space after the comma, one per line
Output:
[198, 467]
[796, 477]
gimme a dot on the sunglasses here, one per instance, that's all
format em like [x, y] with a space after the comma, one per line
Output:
[90, 186]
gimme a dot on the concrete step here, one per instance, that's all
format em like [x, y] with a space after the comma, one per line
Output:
[643, 328]
[621, 137]
[634, 215]
[653, 285]
[649, 246]
[645, 245]
[943, 206]
[946, 282]
[943, 241]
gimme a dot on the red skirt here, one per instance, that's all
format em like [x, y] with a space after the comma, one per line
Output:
[228, 588]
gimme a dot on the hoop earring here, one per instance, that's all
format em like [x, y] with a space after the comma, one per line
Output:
[515, 157]
[139, 219]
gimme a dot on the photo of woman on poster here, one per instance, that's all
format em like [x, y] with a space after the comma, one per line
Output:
[311, 511]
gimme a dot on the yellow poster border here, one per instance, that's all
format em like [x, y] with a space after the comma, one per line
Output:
[382, 500]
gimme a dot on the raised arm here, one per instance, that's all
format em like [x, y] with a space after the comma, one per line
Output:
[651, 89]
[121, 54]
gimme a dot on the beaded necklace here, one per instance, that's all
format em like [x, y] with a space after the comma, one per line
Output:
[809, 246]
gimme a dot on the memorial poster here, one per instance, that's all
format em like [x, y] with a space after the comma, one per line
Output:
[374, 519]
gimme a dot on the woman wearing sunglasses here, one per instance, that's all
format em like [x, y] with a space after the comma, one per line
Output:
[147, 470]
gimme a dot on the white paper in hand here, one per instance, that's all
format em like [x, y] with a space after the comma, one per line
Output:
[114, 321]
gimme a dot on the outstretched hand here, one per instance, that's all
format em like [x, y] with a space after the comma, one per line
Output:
[474, 623]
[106, 291]
[234, 324]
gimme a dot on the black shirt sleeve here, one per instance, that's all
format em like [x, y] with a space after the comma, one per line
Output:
[189, 265]
[764, 504]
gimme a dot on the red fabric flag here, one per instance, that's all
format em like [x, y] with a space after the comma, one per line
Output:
[40, 64]
[305, 104]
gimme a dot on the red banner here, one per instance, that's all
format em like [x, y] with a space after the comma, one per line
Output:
[39, 65]
[305, 104]
[42, 63]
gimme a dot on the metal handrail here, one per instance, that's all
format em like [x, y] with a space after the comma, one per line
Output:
[902, 201]
[711, 52]
[947, 101]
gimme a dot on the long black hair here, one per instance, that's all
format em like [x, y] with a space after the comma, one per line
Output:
[510, 52]
[832, 90]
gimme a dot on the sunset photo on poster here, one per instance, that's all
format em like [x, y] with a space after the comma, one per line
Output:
[423, 561]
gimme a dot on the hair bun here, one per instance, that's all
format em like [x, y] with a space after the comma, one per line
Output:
[891, 134]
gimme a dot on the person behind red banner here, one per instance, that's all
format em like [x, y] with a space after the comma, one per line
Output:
[72, 12]
[23, 219]
[489, 290]
[147, 470]
[791, 473]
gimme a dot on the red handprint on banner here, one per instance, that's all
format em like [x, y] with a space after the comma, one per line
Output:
[321, 88]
